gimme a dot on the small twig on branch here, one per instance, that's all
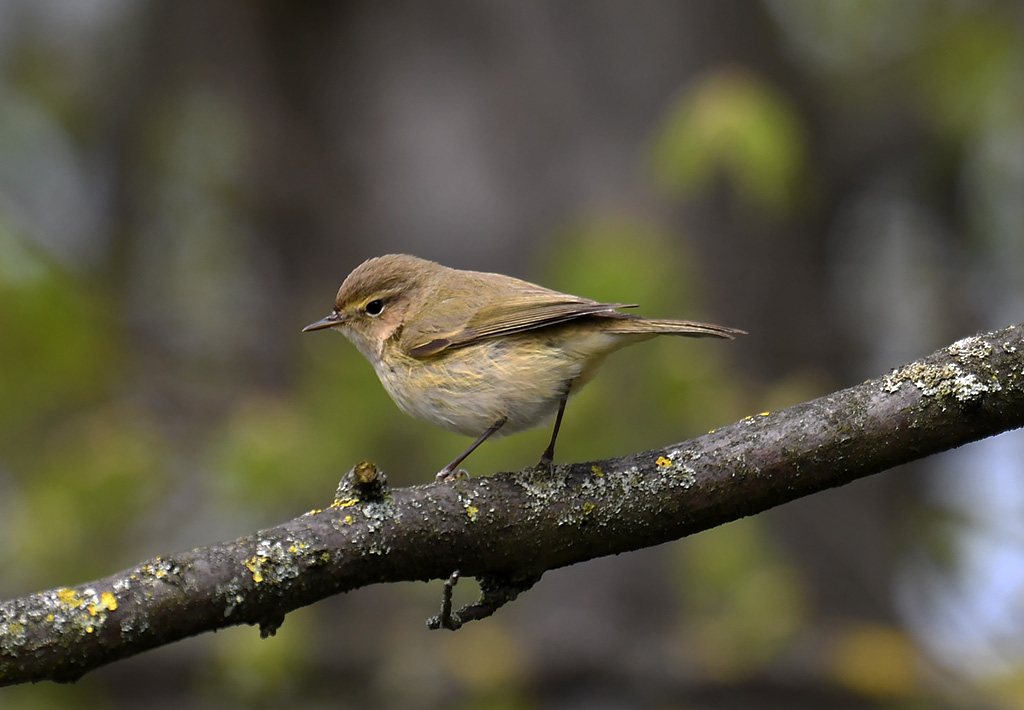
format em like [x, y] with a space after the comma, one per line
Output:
[495, 592]
[445, 620]
[508, 529]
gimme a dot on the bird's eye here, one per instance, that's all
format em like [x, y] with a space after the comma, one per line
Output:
[374, 307]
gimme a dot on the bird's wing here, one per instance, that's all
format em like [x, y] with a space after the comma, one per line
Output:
[521, 306]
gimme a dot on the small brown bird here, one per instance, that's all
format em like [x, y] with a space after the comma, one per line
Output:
[478, 353]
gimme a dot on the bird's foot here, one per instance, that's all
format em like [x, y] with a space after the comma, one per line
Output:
[545, 465]
[446, 474]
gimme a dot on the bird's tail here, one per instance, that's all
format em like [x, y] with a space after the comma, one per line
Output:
[655, 326]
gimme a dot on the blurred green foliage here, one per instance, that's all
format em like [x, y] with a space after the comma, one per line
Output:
[971, 75]
[743, 600]
[59, 348]
[731, 123]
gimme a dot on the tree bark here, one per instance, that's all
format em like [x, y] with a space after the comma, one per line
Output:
[509, 528]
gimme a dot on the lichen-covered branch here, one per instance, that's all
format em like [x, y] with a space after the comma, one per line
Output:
[511, 527]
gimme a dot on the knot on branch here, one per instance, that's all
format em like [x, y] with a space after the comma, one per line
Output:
[362, 482]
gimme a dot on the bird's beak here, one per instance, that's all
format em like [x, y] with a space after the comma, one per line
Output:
[328, 322]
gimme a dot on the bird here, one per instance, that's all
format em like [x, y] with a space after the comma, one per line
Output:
[483, 354]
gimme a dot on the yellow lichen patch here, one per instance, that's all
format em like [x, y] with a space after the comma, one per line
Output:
[664, 462]
[472, 511]
[159, 572]
[70, 598]
[347, 503]
[588, 508]
[107, 602]
[764, 414]
[348, 520]
[596, 470]
[157, 568]
[253, 563]
[293, 548]
[315, 511]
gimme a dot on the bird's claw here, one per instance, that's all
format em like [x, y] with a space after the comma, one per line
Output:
[445, 475]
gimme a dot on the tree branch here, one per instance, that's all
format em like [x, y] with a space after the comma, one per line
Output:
[510, 528]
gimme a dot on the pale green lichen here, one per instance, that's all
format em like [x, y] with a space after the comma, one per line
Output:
[674, 472]
[233, 601]
[970, 347]
[542, 488]
[14, 634]
[892, 382]
[377, 513]
[275, 561]
[367, 518]
[576, 515]
[674, 466]
[950, 379]
[158, 568]
[378, 549]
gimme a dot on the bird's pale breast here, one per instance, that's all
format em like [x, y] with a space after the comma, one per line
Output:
[521, 377]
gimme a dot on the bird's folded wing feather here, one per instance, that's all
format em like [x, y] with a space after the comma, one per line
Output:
[528, 307]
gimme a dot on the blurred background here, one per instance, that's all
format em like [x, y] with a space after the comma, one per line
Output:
[185, 184]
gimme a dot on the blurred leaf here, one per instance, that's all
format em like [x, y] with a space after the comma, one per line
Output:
[733, 124]
[84, 483]
[265, 439]
[619, 258]
[263, 673]
[57, 348]
[972, 72]
[744, 597]
[876, 661]
[291, 451]
[487, 660]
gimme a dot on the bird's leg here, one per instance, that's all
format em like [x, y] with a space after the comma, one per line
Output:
[547, 459]
[451, 470]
